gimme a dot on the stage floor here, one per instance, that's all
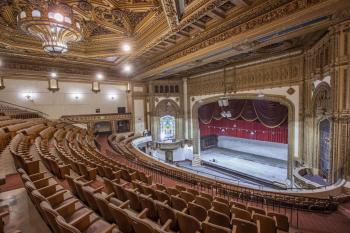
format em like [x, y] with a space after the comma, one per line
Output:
[271, 169]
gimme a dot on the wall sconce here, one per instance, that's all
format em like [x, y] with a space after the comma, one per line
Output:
[29, 97]
[128, 88]
[53, 85]
[96, 87]
[2, 84]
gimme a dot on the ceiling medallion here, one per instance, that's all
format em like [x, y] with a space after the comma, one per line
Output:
[51, 22]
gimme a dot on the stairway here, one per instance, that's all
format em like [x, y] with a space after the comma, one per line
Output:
[196, 161]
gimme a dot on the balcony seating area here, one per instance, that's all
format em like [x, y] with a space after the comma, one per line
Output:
[109, 194]
[10, 111]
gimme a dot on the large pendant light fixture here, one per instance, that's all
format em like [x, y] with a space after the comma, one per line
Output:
[52, 22]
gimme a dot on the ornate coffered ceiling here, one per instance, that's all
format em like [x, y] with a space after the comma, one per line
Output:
[169, 37]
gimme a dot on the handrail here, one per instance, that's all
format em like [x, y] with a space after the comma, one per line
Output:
[42, 114]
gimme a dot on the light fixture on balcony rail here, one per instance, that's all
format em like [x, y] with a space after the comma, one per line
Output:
[51, 22]
[96, 87]
[2, 84]
[260, 94]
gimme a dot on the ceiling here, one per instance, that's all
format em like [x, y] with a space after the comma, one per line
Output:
[169, 38]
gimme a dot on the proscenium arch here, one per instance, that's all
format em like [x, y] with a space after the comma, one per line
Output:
[163, 108]
[276, 98]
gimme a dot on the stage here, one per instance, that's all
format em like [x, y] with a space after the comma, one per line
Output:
[263, 161]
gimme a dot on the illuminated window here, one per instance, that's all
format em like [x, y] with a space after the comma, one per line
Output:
[167, 127]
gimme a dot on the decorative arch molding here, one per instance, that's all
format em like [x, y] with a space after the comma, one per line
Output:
[163, 108]
[167, 107]
[322, 110]
[276, 98]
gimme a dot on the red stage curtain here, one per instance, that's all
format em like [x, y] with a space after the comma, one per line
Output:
[245, 129]
[270, 114]
[251, 119]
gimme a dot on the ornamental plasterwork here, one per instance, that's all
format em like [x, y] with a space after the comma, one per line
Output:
[268, 17]
[272, 74]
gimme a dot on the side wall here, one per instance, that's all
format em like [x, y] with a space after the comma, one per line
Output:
[71, 99]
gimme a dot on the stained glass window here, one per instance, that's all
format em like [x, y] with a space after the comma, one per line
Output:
[167, 127]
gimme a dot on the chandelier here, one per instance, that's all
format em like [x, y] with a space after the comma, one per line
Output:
[51, 22]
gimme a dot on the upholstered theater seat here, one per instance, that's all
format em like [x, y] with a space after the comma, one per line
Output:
[281, 221]
[187, 223]
[204, 202]
[212, 228]
[197, 211]
[265, 223]
[241, 213]
[70, 212]
[121, 217]
[165, 212]
[219, 218]
[87, 223]
[243, 226]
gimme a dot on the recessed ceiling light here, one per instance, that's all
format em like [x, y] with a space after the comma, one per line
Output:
[127, 68]
[126, 47]
[99, 76]
[53, 75]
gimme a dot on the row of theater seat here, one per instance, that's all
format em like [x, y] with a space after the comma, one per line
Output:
[60, 210]
[125, 149]
[135, 206]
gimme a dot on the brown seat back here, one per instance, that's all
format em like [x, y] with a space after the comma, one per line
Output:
[180, 188]
[50, 215]
[193, 191]
[204, 202]
[244, 226]
[197, 211]
[65, 227]
[133, 197]
[172, 191]
[89, 197]
[120, 192]
[148, 203]
[206, 195]
[178, 203]
[240, 213]
[102, 205]
[281, 220]
[256, 210]
[212, 228]
[187, 223]
[222, 200]
[265, 223]
[238, 205]
[221, 207]
[121, 218]
[108, 185]
[141, 226]
[219, 218]
[165, 212]
[162, 196]
[187, 196]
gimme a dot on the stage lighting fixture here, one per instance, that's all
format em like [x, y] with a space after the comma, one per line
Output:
[223, 102]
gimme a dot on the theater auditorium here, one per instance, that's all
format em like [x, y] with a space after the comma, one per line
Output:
[174, 116]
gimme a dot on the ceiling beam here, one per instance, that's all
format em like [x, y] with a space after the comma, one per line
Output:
[239, 3]
[199, 26]
[217, 14]
[171, 14]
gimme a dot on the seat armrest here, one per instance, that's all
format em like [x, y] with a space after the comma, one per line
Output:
[98, 190]
[109, 229]
[83, 221]
[143, 213]
[125, 204]
[166, 225]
